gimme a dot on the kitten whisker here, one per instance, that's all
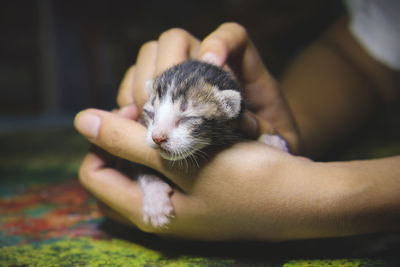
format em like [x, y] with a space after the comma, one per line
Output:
[194, 159]
[202, 154]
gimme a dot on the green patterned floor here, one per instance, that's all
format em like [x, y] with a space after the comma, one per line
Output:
[47, 219]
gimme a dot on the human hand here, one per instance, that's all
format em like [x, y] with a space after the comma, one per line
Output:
[229, 46]
[247, 191]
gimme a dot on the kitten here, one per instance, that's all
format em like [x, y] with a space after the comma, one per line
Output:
[191, 106]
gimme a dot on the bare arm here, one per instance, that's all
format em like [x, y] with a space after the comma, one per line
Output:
[333, 86]
[249, 191]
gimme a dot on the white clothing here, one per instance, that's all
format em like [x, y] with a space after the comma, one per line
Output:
[376, 25]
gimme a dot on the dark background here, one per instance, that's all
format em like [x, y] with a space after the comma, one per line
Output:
[58, 57]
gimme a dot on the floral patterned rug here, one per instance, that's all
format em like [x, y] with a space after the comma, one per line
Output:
[48, 219]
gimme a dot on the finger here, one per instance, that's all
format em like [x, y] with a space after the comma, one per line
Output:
[112, 214]
[253, 126]
[111, 186]
[125, 139]
[117, 135]
[125, 92]
[230, 43]
[175, 46]
[227, 39]
[145, 70]
[120, 197]
[177, 226]
[129, 112]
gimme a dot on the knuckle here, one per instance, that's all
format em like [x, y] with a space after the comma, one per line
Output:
[228, 36]
[148, 46]
[240, 29]
[84, 175]
[174, 34]
[215, 43]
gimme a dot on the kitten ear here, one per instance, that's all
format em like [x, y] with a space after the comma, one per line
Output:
[231, 101]
[149, 86]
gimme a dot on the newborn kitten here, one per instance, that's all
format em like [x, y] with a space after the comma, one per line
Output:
[190, 106]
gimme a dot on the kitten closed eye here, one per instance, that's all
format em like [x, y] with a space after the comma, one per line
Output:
[188, 119]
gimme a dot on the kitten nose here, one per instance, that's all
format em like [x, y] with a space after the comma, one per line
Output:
[159, 139]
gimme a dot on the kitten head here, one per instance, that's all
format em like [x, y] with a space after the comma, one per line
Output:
[185, 113]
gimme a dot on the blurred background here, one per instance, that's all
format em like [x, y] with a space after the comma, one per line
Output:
[59, 57]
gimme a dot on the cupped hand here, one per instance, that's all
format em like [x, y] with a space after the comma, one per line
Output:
[224, 198]
[228, 46]
[247, 191]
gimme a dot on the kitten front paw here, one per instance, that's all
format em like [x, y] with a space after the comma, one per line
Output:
[157, 212]
[274, 140]
[157, 205]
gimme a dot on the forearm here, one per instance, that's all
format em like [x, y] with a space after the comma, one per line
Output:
[372, 203]
[341, 199]
[333, 86]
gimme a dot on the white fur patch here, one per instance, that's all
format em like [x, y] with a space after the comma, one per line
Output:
[157, 206]
[274, 140]
[149, 86]
[165, 117]
[149, 137]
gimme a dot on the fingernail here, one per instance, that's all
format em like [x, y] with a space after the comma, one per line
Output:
[88, 124]
[211, 58]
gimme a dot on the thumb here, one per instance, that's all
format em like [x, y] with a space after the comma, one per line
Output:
[253, 125]
[121, 137]
[124, 138]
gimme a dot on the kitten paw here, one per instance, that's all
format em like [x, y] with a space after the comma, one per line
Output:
[157, 212]
[157, 206]
[274, 140]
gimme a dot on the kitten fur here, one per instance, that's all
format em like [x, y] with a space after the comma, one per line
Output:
[191, 106]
